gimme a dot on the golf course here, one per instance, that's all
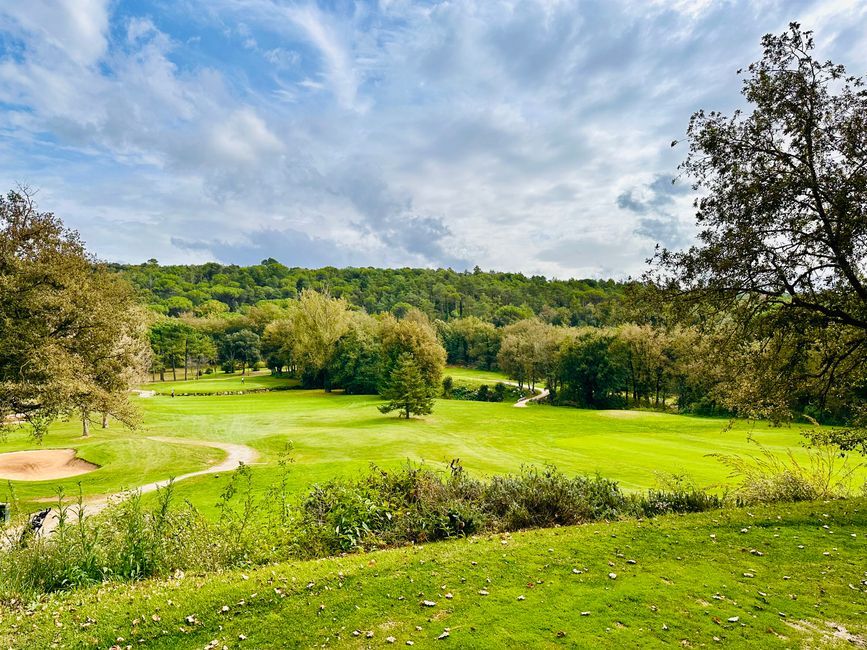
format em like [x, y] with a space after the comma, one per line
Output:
[331, 434]
[442, 323]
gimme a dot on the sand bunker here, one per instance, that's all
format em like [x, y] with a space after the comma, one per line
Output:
[42, 465]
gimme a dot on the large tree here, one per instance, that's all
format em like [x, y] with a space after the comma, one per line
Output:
[71, 334]
[320, 321]
[413, 335]
[781, 263]
[406, 390]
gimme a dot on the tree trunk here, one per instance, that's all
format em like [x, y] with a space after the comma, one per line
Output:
[186, 356]
[105, 420]
[174, 370]
[85, 424]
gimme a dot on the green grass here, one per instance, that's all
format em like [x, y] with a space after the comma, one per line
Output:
[692, 576]
[472, 375]
[221, 383]
[335, 434]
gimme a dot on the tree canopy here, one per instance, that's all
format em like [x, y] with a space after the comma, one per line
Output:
[782, 255]
[71, 333]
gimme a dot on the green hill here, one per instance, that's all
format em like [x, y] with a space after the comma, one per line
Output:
[770, 577]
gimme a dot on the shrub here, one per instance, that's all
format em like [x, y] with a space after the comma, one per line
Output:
[662, 502]
[448, 385]
[768, 479]
[382, 508]
[129, 541]
[535, 498]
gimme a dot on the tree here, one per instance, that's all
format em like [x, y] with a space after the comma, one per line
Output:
[320, 322]
[243, 347]
[407, 390]
[414, 335]
[782, 253]
[201, 349]
[168, 338]
[278, 343]
[357, 363]
[71, 333]
[471, 341]
[177, 305]
[528, 351]
[590, 374]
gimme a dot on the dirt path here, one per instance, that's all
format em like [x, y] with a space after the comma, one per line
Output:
[235, 454]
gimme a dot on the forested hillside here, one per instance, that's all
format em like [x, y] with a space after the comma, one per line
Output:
[501, 298]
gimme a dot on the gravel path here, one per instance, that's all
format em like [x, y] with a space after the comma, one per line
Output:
[235, 454]
[521, 403]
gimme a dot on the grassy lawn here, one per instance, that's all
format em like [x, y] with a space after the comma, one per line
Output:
[221, 383]
[335, 434]
[770, 577]
[472, 375]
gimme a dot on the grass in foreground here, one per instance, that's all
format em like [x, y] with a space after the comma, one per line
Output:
[766, 577]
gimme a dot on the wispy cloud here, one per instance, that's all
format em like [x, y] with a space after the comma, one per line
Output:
[529, 135]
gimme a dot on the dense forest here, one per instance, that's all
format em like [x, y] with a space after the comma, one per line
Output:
[500, 298]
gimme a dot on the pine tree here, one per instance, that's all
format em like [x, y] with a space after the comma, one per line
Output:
[407, 390]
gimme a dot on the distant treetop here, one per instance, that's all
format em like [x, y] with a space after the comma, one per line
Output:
[441, 293]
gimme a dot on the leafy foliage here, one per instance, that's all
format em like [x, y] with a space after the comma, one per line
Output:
[779, 275]
[500, 298]
[71, 334]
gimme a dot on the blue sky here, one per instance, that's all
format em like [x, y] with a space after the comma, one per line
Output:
[525, 136]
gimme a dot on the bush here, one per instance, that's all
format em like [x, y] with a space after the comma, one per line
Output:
[663, 502]
[385, 508]
[537, 498]
[128, 541]
[768, 479]
[448, 385]
[500, 392]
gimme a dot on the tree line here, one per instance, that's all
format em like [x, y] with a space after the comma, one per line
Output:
[501, 298]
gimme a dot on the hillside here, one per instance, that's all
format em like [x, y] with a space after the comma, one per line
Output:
[441, 293]
[780, 576]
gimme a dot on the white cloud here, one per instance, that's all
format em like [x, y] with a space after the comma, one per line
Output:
[339, 68]
[75, 28]
[244, 138]
[502, 134]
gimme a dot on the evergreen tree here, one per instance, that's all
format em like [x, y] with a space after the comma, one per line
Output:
[407, 390]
